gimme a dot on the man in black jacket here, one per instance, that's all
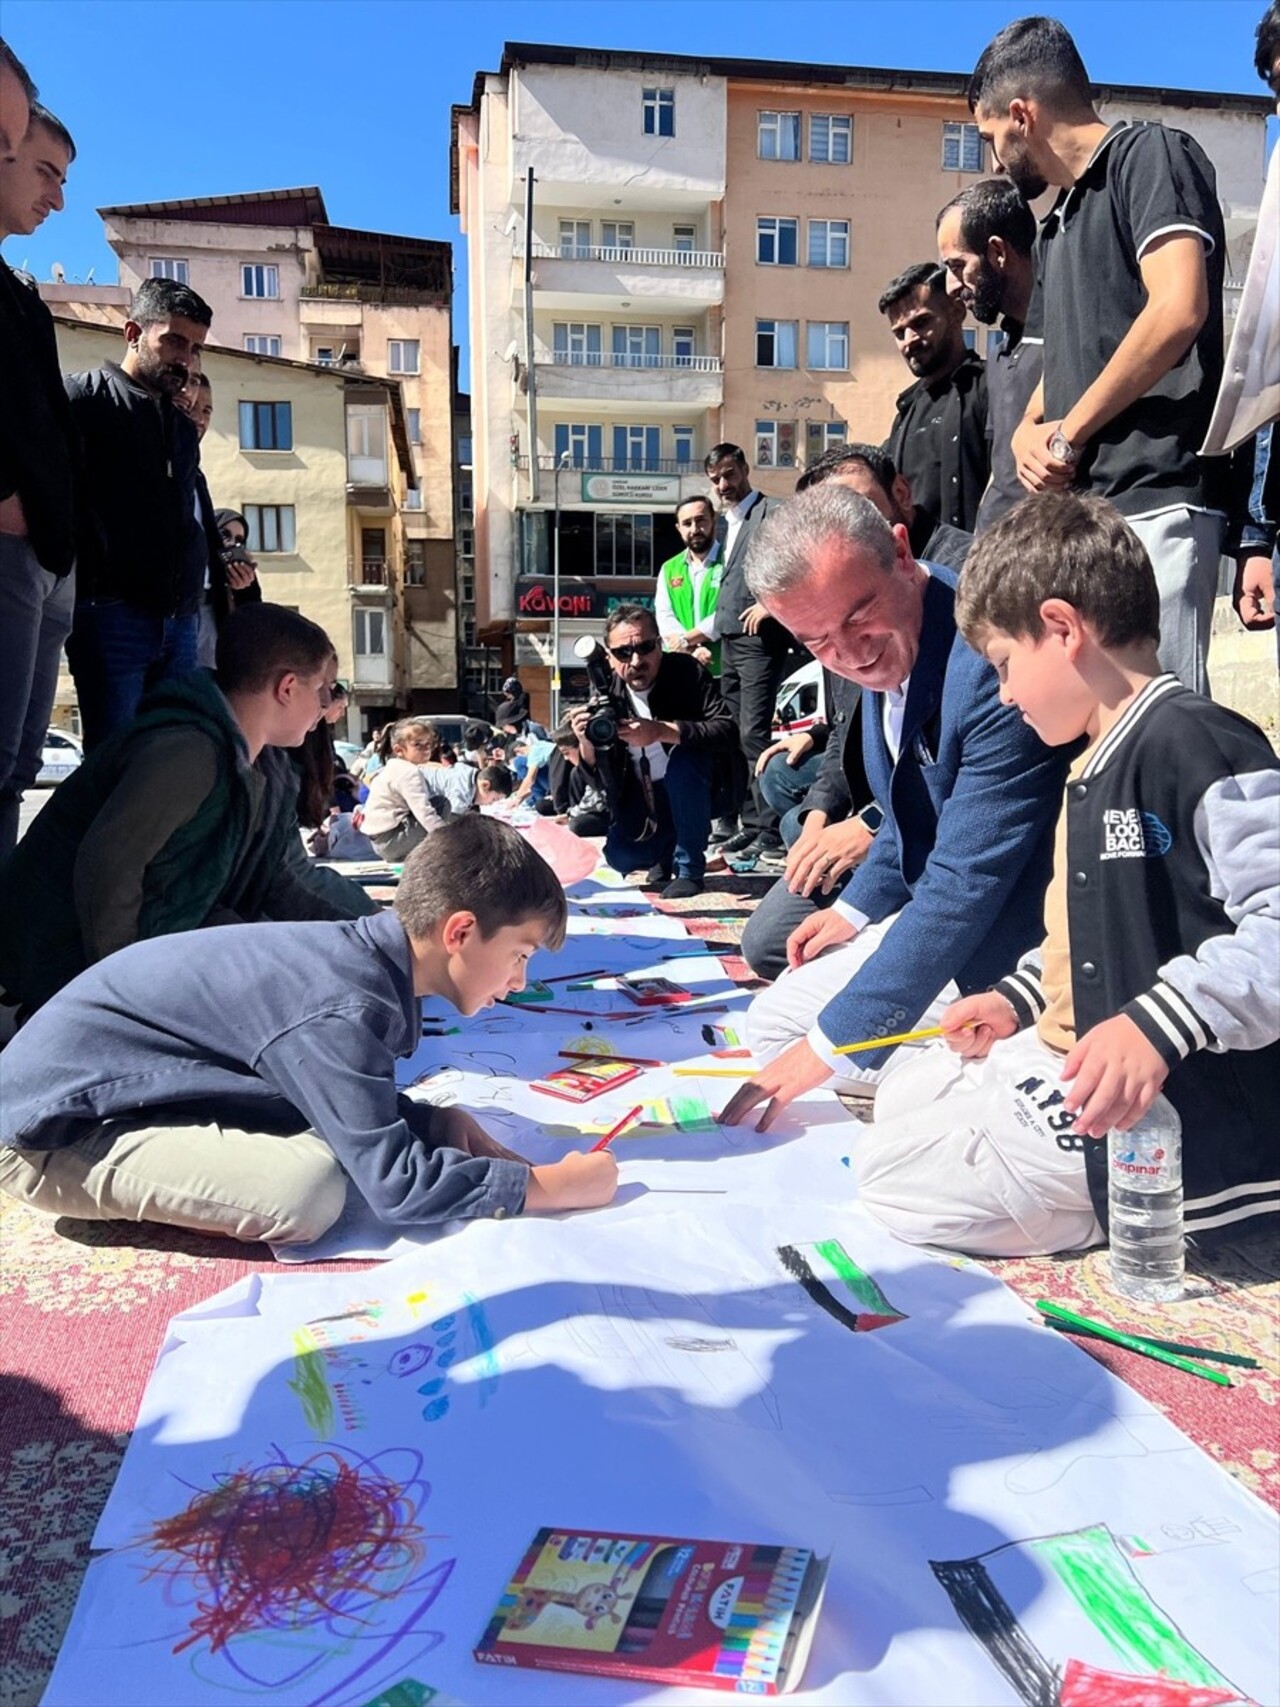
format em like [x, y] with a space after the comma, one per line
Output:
[939, 435]
[37, 476]
[145, 544]
[657, 775]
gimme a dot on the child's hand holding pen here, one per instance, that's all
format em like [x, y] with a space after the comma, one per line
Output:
[971, 1025]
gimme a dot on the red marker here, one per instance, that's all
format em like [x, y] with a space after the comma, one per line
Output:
[618, 1130]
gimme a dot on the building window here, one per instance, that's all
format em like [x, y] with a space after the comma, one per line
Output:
[683, 439]
[827, 344]
[467, 589]
[324, 355]
[830, 139]
[637, 346]
[778, 136]
[271, 528]
[169, 267]
[266, 426]
[659, 107]
[415, 426]
[822, 436]
[370, 631]
[685, 238]
[962, 149]
[828, 242]
[464, 451]
[970, 336]
[575, 344]
[469, 631]
[257, 280]
[584, 446]
[776, 343]
[415, 562]
[467, 542]
[624, 545]
[775, 444]
[684, 344]
[261, 344]
[777, 242]
[637, 448]
[617, 234]
[402, 355]
[466, 497]
[413, 498]
[575, 238]
[367, 444]
[995, 342]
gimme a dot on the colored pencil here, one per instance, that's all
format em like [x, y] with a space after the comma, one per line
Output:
[568, 978]
[1232, 1357]
[713, 1072]
[1131, 1342]
[618, 1130]
[608, 1055]
[889, 1042]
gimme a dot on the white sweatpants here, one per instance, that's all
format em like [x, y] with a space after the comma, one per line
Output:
[788, 1009]
[978, 1156]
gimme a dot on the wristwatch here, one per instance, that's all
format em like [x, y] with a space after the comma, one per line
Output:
[872, 816]
[1061, 447]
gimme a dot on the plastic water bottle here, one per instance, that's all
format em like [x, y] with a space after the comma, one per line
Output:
[1144, 1189]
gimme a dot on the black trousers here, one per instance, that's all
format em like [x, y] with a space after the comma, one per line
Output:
[752, 670]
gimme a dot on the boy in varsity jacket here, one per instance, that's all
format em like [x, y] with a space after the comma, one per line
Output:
[1160, 968]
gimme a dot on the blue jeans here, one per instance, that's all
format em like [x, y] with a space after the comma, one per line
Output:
[682, 801]
[784, 786]
[35, 619]
[117, 652]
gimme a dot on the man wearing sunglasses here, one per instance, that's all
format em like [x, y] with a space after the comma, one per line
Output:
[657, 775]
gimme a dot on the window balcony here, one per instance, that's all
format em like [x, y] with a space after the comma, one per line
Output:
[585, 463]
[659, 281]
[369, 575]
[686, 382]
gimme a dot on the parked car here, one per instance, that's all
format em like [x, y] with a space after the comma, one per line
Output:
[60, 756]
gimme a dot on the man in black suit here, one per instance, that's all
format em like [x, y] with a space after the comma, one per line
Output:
[755, 650]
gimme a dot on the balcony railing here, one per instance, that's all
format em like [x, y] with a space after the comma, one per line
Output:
[391, 296]
[374, 572]
[625, 254]
[628, 359]
[586, 464]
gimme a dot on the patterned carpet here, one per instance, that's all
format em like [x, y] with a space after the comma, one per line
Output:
[85, 1307]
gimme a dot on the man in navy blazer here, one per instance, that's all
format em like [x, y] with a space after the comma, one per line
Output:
[953, 887]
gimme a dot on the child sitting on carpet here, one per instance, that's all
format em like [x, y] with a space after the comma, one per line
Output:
[1160, 967]
[233, 1081]
[400, 812]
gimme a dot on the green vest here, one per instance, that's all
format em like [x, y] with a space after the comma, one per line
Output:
[679, 584]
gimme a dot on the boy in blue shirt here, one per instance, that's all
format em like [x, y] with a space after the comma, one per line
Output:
[1160, 966]
[233, 1081]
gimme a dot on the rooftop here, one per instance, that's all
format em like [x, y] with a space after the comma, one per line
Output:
[255, 207]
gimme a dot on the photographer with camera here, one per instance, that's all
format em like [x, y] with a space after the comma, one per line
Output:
[653, 725]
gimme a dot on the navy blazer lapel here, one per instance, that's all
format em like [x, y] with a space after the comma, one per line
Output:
[929, 673]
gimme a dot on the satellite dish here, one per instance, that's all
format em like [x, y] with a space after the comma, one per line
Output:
[58, 273]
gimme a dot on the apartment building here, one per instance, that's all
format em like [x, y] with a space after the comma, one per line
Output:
[326, 520]
[283, 282]
[666, 251]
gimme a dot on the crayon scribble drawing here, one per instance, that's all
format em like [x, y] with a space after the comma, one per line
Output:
[831, 1277]
[310, 1574]
[1120, 1649]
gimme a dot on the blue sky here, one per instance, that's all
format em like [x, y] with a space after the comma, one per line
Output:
[172, 98]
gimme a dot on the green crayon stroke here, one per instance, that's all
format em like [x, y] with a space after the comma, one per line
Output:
[312, 1386]
[1102, 1584]
[859, 1282]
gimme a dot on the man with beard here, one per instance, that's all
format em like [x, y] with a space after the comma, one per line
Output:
[143, 550]
[986, 239]
[939, 438]
[1131, 266]
[688, 588]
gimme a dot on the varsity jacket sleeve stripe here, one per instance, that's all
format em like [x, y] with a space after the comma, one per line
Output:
[1227, 994]
[1024, 993]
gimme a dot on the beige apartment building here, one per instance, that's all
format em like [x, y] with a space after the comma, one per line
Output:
[326, 522]
[284, 283]
[698, 258]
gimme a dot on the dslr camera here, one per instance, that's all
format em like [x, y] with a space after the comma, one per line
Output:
[602, 722]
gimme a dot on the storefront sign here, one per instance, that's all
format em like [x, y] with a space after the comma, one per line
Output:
[631, 488]
[579, 598]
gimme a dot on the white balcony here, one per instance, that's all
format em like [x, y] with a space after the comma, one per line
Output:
[683, 382]
[659, 281]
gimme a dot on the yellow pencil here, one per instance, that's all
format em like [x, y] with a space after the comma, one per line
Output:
[714, 1072]
[889, 1042]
